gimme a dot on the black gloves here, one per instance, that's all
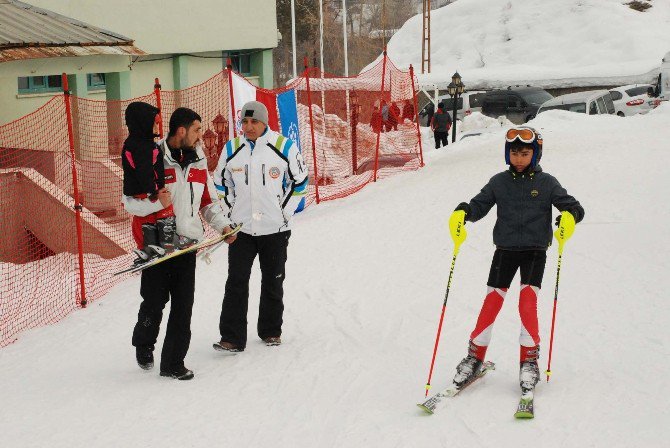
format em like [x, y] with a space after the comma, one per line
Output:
[576, 212]
[463, 206]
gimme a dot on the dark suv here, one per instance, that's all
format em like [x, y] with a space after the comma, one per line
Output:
[518, 104]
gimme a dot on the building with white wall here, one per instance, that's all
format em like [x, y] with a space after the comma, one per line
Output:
[184, 43]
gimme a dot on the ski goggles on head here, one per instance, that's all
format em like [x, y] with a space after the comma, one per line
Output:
[525, 135]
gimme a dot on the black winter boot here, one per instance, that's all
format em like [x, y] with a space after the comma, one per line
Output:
[166, 233]
[145, 357]
[151, 248]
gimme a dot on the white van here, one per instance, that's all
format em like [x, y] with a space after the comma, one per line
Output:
[468, 103]
[593, 102]
[661, 89]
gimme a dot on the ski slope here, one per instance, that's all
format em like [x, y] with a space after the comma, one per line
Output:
[364, 288]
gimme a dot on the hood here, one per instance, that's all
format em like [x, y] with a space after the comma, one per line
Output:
[140, 119]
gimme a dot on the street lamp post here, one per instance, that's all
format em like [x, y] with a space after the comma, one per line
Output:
[455, 90]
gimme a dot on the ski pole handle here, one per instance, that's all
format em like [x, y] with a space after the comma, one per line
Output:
[565, 230]
[457, 229]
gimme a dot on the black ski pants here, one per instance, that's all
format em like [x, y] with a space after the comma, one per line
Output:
[170, 280]
[271, 250]
[441, 137]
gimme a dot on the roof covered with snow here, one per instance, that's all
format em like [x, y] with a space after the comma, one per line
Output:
[494, 43]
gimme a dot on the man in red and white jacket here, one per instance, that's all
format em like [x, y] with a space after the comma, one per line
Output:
[190, 190]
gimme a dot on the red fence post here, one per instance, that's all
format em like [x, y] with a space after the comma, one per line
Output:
[382, 116]
[233, 113]
[157, 93]
[77, 205]
[311, 128]
[416, 112]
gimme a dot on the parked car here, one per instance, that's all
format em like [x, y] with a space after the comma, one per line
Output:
[632, 99]
[468, 103]
[660, 91]
[518, 104]
[593, 102]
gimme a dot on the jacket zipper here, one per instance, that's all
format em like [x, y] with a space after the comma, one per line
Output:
[192, 197]
[263, 167]
[246, 174]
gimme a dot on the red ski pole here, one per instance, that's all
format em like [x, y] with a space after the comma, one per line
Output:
[458, 234]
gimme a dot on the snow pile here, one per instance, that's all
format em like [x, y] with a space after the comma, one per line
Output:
[494, 43]
[477, 120]
[365, 285]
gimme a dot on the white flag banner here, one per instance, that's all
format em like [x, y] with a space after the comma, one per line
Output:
[243, 92]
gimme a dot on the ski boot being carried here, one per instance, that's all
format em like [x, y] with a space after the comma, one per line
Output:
[182, 242]
[151, 248]
[167, 233]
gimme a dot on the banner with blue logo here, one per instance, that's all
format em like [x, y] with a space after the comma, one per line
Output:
[288, 116]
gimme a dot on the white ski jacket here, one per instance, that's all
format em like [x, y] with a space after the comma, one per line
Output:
[261, 183]
[192, 190]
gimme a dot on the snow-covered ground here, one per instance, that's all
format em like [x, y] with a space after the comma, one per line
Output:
[494, 43]
[365, 285]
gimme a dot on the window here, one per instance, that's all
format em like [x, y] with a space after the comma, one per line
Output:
[241, 62]
[513, 101]
[536, 96]
[39, 84]
[95, 81]
[610, 104]
[572, 107]
[593, 109]
[449, 103]
[601, 105]
[616, 96]
[635, 91]
[476, 99]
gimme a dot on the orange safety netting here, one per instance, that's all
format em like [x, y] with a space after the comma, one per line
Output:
[42, 280]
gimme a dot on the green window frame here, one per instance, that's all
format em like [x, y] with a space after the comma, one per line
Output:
[241, 61]
[96, 81]
[40, 84]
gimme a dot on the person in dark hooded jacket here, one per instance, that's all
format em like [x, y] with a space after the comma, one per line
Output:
[524, 196]
[144, 177]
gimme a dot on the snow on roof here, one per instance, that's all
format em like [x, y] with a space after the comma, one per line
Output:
[494, 43]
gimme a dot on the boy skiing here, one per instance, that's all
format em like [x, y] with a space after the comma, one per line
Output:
[524, 195]
[144, 177]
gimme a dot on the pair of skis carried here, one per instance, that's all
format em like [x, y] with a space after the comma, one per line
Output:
[434, 402]
[137, 267]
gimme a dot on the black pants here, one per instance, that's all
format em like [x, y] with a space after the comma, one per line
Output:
[171, 280]
[506, 262]
[441, 137]
[271, 251]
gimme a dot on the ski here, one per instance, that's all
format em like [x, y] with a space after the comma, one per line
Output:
[525, 407]
[432, 403]
[156, 260]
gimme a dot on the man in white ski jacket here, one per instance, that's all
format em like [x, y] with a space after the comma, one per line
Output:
[189, 187]
[261, 178]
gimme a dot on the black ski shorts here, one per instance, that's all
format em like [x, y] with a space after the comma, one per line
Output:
[506, 262]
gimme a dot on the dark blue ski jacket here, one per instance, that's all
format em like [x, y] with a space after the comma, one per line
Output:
[524, 202]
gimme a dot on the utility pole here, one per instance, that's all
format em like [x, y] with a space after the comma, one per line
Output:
[425, 39]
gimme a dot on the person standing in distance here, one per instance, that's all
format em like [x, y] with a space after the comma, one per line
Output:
[262, 178]
[189, 188]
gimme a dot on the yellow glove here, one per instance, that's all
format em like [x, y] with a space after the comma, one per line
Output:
[457, 228]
